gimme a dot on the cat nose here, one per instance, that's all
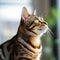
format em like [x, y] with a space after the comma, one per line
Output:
[44, 23]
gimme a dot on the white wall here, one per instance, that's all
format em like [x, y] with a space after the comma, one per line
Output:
[10, 13]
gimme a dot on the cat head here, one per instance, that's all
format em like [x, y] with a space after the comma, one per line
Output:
[32, 23]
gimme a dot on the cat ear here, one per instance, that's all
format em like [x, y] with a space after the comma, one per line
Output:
[25, 13]
[34, 13]
[22, 20]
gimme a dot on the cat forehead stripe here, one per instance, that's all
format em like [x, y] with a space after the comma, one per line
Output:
[39, 18]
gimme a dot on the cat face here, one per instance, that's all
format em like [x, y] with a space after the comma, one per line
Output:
[33, 23]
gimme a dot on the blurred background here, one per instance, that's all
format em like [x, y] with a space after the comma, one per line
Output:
[10, 14]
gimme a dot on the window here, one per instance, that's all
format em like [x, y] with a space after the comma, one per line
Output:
[10, 13]
[11, 9]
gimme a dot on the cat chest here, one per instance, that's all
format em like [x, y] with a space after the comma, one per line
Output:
[36, 42]
[28, 54]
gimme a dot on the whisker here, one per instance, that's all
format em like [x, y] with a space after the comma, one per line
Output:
[50, 32]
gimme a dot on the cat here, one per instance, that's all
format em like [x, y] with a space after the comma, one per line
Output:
[26, 44]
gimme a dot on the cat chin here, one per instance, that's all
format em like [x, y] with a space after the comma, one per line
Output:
[41, 31]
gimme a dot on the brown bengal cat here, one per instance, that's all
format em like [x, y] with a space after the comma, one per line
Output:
[26, 44]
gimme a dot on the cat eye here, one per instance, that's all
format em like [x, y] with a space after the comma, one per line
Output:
[36, 21]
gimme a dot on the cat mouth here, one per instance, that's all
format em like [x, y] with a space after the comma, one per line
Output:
[43, 28]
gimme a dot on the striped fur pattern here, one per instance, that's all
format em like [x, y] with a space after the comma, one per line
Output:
[26, 44]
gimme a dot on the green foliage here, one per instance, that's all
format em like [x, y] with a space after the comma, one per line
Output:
[48, 39]
[52, 18]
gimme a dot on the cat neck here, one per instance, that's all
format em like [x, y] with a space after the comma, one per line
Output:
[30, 38]
[35, 41]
